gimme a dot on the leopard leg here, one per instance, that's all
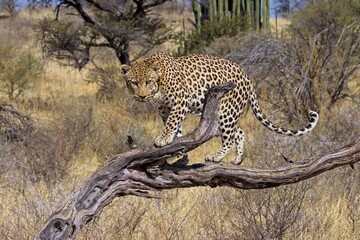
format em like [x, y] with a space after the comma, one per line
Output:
[173, 124]
[164, 112]
[227, 139]
[181, 159]
[239, 142]
[179, 131]
[227, 126]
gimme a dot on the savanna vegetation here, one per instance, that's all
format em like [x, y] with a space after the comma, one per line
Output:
[64, 110]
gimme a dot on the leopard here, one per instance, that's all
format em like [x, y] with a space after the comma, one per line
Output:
[177, 86]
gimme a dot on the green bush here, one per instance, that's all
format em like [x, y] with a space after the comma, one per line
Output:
[18, 71]
[210, 30]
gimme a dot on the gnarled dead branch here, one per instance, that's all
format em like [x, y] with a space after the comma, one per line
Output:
[140, 171]
[13, 124]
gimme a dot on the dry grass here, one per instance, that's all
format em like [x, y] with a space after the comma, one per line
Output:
[65, 109]
[278, 26]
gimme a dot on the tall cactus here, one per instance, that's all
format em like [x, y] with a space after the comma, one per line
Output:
[257, 14]
[220, 9]
[224, 17]
[257, 11]
[266, 14]
[197, 13]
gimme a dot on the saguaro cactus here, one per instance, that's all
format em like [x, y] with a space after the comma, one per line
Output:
[197, 13]
[266, 14]
[257, 11]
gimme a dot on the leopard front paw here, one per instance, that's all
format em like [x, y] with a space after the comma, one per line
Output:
[163, 140]
[213, 158]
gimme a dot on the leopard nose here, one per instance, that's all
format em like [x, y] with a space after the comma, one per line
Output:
[142, 97]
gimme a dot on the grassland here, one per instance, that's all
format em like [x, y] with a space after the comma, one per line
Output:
[75, 133]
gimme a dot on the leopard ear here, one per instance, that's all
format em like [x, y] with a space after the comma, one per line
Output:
[125, 68]
[156, 66]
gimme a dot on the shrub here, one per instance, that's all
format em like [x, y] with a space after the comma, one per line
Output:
[46, 152]
[210, 30]
[18, 71]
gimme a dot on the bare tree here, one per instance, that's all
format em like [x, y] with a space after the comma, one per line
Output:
[284, 7]
[81, 27]
[10, 6]
[143, 170]
[327, 48]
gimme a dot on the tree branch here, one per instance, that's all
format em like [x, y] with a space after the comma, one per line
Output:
[13, 124]
[140, 171]
[101, 8]
[79, 8]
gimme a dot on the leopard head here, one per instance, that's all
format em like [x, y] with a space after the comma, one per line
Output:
[142, 79]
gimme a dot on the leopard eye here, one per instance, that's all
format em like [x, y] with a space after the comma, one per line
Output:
[134, 84]
[147, 82]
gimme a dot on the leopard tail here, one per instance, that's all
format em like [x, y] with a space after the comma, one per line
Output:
[313, 116]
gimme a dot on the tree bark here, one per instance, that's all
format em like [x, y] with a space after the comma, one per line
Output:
[140, 171]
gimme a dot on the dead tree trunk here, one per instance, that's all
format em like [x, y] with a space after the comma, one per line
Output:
[143, 170]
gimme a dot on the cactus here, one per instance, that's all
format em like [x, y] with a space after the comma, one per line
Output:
[213, 10]
[257, 11]
[221, 17]
[197, 13]
[257, 14]
[266, 14]
[220, 9]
